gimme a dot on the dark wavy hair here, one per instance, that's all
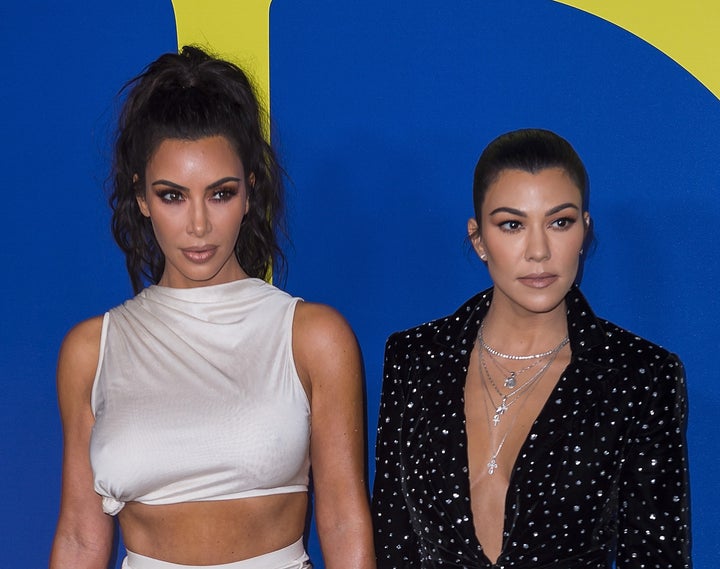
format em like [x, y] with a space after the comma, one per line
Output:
[192, 95]
[530, 150]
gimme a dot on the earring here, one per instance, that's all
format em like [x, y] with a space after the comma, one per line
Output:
[483, 257]
[582, 251]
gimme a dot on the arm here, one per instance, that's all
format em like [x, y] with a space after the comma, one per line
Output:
[328, 360]
[84, 534]
[654, 519]
[395, 542]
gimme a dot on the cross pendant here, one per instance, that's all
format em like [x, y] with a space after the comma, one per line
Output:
[492, 466]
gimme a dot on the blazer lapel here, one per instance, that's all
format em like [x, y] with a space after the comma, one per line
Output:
[576, 394]
[437, 443]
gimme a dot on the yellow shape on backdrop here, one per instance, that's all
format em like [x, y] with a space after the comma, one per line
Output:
[238, 30]
[688, 31]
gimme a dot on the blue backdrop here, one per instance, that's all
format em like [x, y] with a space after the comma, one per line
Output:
[381, 111]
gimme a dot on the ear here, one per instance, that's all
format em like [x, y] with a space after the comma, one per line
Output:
[476, 239]
[140, 198]
[587, 223]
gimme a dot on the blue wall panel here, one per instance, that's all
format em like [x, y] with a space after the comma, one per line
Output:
[381, 111]
[63, 63]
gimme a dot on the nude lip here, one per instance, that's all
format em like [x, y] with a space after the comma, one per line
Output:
[538, 280]
[199, 255]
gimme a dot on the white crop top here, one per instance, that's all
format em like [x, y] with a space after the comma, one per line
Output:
[197, 397]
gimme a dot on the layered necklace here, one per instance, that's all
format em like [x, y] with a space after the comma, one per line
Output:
[518, 389]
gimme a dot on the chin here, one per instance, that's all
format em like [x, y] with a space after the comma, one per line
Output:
[195, 278]
[545, 308]
[541, 301]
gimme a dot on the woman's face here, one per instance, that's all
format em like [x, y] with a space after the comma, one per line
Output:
[196, 196]
[532, 229]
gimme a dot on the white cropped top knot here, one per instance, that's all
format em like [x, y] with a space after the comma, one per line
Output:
[197, 397]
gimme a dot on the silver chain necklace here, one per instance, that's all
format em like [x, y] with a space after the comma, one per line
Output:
[494, 352]
[510, 376]
[510, 398]
[510, 382]
[492, 464]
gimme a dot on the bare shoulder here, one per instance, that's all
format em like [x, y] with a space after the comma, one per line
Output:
[320, 323]
[322, 340]
[79, 354]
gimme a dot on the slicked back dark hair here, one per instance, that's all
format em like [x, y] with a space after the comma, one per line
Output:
[189, 96]
[530, 150]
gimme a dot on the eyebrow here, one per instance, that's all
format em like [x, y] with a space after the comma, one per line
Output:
[212, 186]
[520, 213]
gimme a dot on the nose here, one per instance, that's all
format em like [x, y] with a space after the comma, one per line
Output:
[198, 220]
[537, 246]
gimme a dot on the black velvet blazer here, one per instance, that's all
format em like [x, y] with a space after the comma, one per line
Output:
[601, 478]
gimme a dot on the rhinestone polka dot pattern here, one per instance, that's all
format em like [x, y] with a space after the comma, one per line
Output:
[602, 476]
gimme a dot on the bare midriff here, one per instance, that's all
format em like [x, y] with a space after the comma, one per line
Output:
[214, 532]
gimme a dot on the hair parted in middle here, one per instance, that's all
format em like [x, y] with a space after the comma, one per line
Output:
[192, 95]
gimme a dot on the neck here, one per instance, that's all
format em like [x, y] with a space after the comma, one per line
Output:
[519, 332]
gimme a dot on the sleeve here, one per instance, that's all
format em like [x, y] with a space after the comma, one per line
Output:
[654, 524]
[395, 542]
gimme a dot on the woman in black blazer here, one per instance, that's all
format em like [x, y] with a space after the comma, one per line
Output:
[522, 431]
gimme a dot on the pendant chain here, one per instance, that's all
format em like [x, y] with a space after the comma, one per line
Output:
[517, 393]
[510, 398]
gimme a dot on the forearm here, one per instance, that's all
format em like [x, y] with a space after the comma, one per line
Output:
[71, 550]
[347, 543]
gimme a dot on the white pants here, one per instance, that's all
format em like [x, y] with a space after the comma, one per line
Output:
[290, 557]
